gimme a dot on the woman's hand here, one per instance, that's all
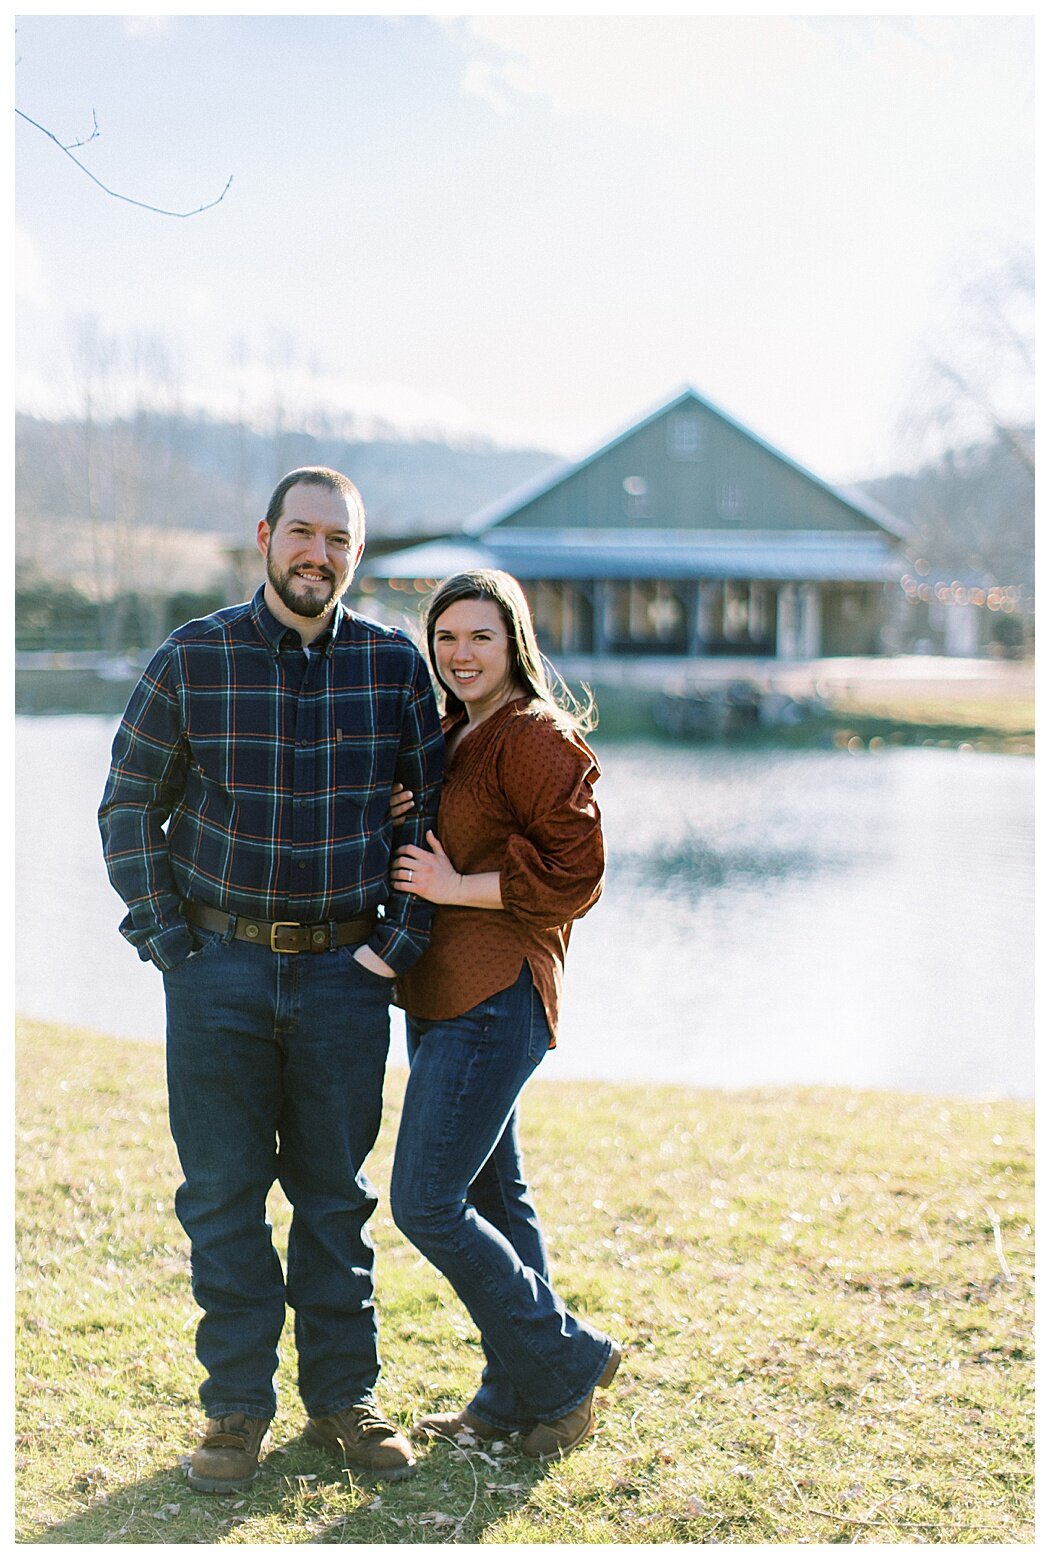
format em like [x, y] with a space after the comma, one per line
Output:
[401, 801]
[429, 874]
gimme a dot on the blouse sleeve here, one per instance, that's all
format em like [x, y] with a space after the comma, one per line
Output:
[553, 868]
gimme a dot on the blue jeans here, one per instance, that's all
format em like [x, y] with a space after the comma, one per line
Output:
[458, 1194]
[275, 1072]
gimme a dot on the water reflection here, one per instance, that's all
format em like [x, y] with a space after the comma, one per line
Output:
[690, 869]
[811, 917]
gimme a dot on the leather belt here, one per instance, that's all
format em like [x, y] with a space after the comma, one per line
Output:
[283, 936]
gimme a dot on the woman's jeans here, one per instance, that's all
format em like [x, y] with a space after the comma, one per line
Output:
[458, 1194]
[275, 1072]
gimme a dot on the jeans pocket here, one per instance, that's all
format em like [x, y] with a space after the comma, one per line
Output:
[204, 944]
[372, 976]
[539, 1029]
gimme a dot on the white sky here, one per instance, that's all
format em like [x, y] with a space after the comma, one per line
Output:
[532, 228]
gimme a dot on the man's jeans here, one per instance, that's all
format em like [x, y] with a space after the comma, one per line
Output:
[275, 1072]
[459, 1195]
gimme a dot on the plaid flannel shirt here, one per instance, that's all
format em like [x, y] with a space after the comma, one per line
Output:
[254, 776]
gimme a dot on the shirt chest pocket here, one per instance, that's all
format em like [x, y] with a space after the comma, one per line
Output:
[365, 762]
[355, 765]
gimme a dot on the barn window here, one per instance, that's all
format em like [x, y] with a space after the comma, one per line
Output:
[684, 438]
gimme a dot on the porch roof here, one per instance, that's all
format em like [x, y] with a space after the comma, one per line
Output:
[828, 556]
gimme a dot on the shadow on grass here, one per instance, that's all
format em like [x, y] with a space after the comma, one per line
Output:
[456, 1494]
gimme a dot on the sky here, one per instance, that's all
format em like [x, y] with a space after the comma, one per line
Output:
[530, 229]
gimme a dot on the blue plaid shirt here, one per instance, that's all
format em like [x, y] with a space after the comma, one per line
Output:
[271, 767]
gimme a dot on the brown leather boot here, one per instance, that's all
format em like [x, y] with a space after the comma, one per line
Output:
[451, 1426]
[227, 1458]
[364, 1440]
[565, 1434]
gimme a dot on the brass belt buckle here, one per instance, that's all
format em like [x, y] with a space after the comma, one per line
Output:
[279, 925]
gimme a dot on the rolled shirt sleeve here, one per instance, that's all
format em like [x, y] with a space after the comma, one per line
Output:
[553, 869]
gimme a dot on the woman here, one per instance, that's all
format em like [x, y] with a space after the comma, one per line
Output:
[520, 857]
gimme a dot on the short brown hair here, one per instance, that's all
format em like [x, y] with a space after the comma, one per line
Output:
[317, 476]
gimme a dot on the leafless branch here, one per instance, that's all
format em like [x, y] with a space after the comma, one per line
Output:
[143, 204]
[1010, 436]
[74, 144]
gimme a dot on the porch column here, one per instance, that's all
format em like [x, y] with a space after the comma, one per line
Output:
[601, 602]
[809, 626]
[708, 620]
[696, 632]
[787, 622]
[961, 629]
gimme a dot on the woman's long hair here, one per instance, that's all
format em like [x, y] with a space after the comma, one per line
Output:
[529, 668]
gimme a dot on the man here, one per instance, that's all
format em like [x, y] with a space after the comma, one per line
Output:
[267, 738]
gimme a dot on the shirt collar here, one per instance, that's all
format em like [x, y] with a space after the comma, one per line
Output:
[274, 632]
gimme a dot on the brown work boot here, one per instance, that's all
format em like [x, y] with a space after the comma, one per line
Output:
[364, 1440]
[227, 1458]
[456, 1426]
[565, 1434]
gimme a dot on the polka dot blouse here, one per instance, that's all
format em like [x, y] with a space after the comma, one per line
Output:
[517, 800]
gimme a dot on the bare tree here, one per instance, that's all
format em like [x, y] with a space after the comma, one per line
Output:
[978, 382]
[124, 471]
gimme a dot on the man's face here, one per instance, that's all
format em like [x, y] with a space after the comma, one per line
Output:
[312, 551]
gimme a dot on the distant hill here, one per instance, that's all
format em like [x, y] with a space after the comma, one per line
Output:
[194, 474]
[972, 512]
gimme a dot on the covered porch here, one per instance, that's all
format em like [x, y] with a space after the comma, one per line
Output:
[607, 595]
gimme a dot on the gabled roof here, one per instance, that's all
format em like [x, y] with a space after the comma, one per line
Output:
[495, 513]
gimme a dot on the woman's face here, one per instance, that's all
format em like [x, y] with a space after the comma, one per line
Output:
[473, 654]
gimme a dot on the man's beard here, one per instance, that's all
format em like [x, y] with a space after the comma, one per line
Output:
[302, 596]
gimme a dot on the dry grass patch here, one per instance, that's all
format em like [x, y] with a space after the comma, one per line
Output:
[825, 1299]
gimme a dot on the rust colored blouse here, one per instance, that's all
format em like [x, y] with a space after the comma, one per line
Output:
[516, 799]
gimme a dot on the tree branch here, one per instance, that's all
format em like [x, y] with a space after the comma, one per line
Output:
[144, 205]
[73, 145]
[1008, 435]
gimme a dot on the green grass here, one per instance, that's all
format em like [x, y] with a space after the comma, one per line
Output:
[949, 717]
[825, 1300]
[926, 714]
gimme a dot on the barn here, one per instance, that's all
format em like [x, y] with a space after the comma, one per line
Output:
[685, 535]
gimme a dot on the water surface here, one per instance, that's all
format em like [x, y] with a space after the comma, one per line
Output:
[860, 919]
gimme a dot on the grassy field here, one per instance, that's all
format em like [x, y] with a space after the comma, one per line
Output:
[986, 717]
[1003, 724]
[825, 1300]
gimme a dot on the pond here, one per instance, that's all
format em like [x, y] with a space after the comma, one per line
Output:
[770, 918]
